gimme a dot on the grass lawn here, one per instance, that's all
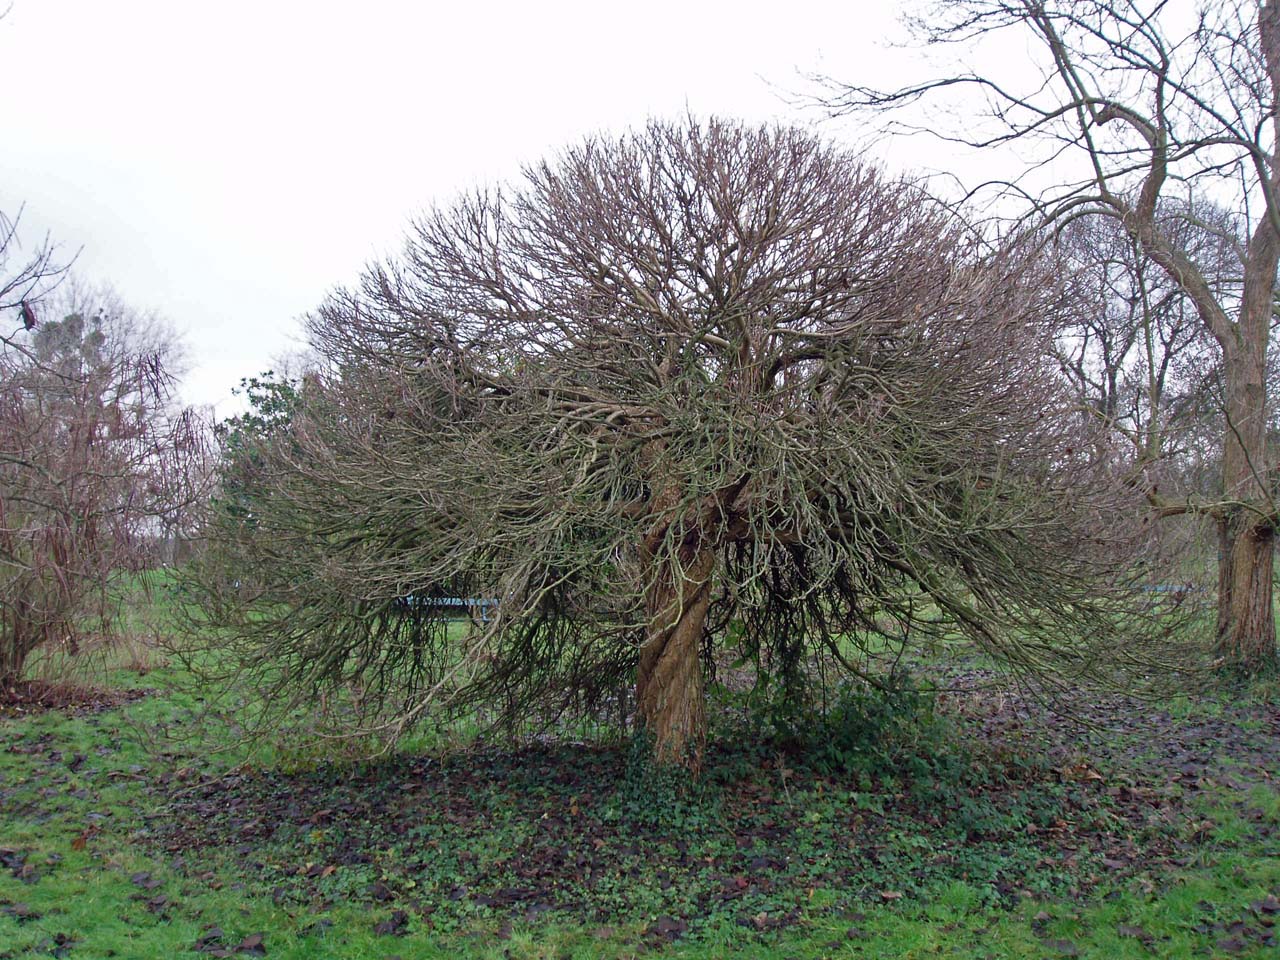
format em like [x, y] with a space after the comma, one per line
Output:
[985, 828]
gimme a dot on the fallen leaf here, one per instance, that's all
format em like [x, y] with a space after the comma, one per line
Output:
[21, 912]
[397, 925]
[1079, 771]
[1064, 947]
[670, 927]
[144, 880]
[210, 941]
[1268, 906]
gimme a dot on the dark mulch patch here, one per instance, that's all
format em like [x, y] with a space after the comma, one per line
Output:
[1236, 746]
[562, 831]
[37, 696]
[1033, 803]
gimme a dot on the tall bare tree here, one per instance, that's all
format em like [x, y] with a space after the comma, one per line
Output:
[703, 384]
[1150, 99]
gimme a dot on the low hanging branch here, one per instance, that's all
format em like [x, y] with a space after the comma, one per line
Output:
[703, 384]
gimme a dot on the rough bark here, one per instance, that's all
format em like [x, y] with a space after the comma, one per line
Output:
[1246, 634]
[669, 690]
[1246, 625]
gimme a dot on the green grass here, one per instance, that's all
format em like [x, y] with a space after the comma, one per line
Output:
[85, 804]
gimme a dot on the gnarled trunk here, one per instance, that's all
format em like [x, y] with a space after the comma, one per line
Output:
[1246, 623]
[1246, 635]
[669, 692]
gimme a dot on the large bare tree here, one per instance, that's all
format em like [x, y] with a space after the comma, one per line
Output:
[700, 385]
[1133, 102]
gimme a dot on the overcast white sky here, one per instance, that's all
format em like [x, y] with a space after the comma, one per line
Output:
[226, 164]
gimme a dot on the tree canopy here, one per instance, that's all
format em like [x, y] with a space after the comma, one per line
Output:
[701, 386]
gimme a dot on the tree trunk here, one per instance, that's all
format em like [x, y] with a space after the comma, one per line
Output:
[670, 699]
[1246, 624]
[1246, 635]
[14, 647]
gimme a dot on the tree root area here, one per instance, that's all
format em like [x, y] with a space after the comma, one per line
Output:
[1035, 806]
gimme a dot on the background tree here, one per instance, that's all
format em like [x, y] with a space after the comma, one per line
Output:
[272, 400]
[1149, 99]
[94, 459]
[701, 385]
[1143, 364]
[1139, 356]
